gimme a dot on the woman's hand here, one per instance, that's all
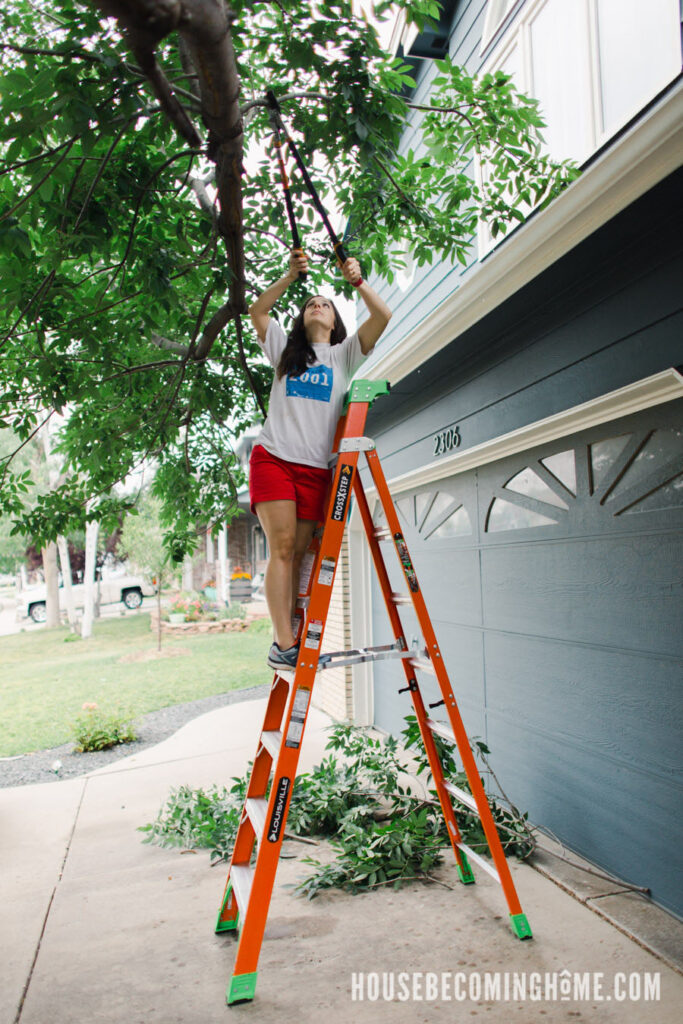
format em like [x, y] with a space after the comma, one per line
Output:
[298, 263]
[351, 271]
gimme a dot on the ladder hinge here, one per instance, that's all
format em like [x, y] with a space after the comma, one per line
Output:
[366, 391]
[356, 444]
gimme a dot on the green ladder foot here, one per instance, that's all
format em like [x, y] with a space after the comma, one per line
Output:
[520, 926]
[465, 873]
[242, 988]
[232, 923]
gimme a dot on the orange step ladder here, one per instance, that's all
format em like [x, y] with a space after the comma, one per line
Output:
[249, 886]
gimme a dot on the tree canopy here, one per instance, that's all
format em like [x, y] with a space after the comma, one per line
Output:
[141, 212]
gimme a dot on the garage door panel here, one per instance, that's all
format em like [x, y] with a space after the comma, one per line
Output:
[589, 803]
[451, 584]
[620, 591]
[623, 707]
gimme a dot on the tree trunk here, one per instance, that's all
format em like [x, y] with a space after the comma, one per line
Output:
[65, 565]
[89, 596]
[222, 574]
[159, 582]
[188, 573]
[51, 585]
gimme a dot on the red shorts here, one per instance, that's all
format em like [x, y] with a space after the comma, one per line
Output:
[274, 479]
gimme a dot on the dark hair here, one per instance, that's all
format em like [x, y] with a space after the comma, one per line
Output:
[298, 352]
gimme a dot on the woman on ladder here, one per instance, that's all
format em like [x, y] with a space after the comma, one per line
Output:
[289, 474]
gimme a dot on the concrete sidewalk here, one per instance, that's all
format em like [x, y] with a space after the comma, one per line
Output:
[97, 927]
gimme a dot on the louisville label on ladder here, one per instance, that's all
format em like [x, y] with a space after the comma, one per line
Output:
[250, 882]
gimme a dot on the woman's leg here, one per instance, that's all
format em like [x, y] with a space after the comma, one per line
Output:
[279, 522]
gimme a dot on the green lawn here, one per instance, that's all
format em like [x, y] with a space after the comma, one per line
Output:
[47, 675]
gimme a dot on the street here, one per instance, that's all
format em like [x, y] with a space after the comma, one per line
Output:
[9, 624]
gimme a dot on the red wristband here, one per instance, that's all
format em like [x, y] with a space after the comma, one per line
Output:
[358, 283]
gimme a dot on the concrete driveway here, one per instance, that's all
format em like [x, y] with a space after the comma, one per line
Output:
[97, 927]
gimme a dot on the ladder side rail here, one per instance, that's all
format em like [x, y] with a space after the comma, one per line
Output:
[298, 705]
[434, 651]
[418, 704]
[258, 781]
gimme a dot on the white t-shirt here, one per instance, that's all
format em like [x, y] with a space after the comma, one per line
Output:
[303, 411]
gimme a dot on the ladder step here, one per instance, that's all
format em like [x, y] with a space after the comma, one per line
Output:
[257, 807]
[272, 741]
[462, 796]
[441, 729]
[383, 533]
[400, 598]
[478, 859]
[423, 665]
[241, 877]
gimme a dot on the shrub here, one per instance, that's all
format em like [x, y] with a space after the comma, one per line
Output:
[382, 833]
[97, 729]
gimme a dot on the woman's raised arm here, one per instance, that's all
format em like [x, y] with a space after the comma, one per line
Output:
[380, 314]
[259, 310]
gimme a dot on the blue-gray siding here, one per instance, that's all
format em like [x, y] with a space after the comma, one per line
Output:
[564, 640]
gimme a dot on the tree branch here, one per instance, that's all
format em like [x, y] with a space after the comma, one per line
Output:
[245, 365]
[171, 346]
[35, 188]
[146, 23]
[288, 96]
[100, 171]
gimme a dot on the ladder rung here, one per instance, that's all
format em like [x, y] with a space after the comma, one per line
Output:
[383, 533]
[423, 665]
[478, 859]
[272, 741]
[462, 796]
[441, 729]
[257, 807]
[400, 598]
[241, 877]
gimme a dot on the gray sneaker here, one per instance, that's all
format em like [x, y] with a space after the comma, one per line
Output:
[283, 659]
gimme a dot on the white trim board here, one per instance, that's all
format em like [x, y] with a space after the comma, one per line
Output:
[635, 163]
[661, 387]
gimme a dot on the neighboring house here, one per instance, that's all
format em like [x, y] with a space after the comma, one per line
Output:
[534, 444]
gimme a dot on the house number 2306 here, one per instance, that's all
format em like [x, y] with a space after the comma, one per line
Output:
[446, 440]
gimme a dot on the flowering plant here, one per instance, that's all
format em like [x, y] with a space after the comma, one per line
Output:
[188, 605]
[240, 574]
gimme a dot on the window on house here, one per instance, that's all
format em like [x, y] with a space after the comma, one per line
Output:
[496, 12]
[591, 64]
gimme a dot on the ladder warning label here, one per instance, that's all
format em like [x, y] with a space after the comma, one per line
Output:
[305, 571]
[341, 498]
[313, 634]
[404, 555]
[296, 722]
[278, 815]
[326, 574]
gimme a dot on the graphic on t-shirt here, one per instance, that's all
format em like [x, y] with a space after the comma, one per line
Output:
[315, 383]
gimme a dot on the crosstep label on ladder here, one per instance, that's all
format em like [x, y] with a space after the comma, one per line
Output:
[296, 722]
[313, 634]
[278, 815]
[326, 574]
[341, 498]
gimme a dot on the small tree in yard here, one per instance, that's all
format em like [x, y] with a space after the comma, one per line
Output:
[142, 543]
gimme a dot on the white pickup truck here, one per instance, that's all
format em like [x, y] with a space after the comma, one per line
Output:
[129, 590]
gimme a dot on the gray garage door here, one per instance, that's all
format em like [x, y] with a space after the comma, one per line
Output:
[554, 579]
